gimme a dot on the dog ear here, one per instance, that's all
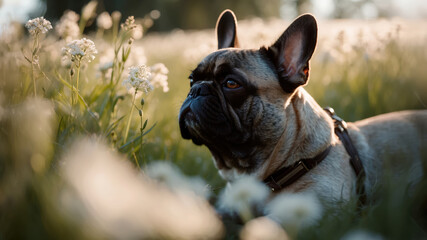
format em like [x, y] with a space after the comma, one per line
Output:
[292, 51]
[226, 30]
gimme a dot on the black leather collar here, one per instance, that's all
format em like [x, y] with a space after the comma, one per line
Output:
[288, 175]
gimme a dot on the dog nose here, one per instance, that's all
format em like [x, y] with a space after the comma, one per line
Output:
[199, 89]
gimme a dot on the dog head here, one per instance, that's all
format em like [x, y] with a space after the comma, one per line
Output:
[237, 99]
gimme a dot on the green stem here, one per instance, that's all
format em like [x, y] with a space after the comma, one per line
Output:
[78, 77]
[130, 118]
[100, 33]
[32, 75]
[116, 61]
[115, 29]
[245, 213]
[292, 230]
[136, 161]
[72, 91]
[113, 69]
[82, 25]
[77, 80]
[141, 130]
[33, 54]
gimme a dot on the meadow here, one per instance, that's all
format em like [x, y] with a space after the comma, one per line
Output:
[82, 154]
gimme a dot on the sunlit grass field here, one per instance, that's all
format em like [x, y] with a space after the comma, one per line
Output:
[360, 68]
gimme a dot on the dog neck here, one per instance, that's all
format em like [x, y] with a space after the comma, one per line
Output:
[308, 131]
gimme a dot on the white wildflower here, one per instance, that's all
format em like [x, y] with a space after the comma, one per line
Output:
[155, 14]
[70, 15]
[137, 32]
[38, 25]
[105, 66]
[116, 16]
[263, 228]
[164, 172]
[89, 10]
[295, 210]
[159, 76]
[243, 195]
[114, 199]
[80, 51]
[106, 57]
[362, 235]
[148, 22]
[104, 21]
[134, 29]
[32, 120]
[129, 24]
[169, 175]
[137, 56]
[139, 79]
[67, 26]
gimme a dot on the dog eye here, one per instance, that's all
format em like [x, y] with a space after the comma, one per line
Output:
[191, 77]
[231, 84]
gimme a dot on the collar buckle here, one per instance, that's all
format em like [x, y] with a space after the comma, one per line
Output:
[301, 163]
[287, 175]
[295, 172]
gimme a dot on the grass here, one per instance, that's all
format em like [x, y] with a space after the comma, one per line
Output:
[373, 75]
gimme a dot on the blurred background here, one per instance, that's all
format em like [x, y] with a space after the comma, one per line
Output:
[198, 14]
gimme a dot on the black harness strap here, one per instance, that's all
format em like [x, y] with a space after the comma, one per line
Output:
[288, 175]
[342, 133]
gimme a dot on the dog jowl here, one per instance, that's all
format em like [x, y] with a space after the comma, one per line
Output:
[249, 107]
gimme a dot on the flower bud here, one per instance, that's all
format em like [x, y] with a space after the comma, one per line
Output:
[155, 14]
[116, 15]
[142, 102]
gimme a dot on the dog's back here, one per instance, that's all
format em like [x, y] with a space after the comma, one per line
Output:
[394, 142]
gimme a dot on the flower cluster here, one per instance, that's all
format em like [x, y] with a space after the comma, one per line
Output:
[104, 21]
[116, 16]
[105, 66]
[169, 175]
[243, 195]
[80, 51]
[147, 211]
[159, 76]
[38, 25]
[295, 210]
[67, 27]
[135, 30]
[88, 11]
[139, 79]
[129, 24]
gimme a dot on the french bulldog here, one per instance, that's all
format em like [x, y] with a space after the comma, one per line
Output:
[249, 107]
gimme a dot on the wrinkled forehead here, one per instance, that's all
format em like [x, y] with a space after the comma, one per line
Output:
[222, 61]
